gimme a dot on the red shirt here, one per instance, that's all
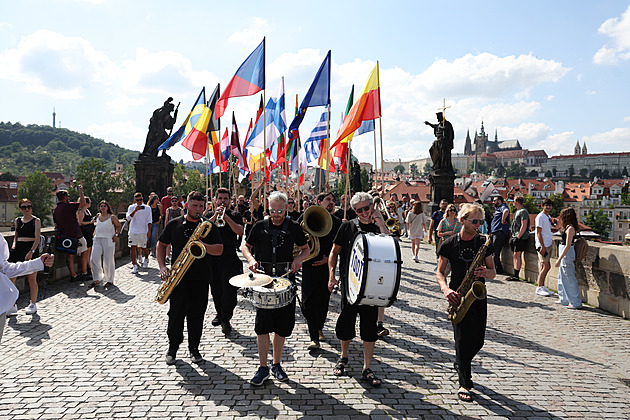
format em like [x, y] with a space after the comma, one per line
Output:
[65, 217]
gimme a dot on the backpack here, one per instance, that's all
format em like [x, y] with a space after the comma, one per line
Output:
[581, 249]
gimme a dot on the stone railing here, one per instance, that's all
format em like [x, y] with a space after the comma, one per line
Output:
[603, 276]
[59, 270]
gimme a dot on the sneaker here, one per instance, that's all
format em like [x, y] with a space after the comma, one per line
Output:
[196, 356]
[512, 278]
[569, 306]
[279, 373]
[216, 321]
[321, 335]
[134, 270]
[381, 331]
[12, 311]
[543, 291]
[226, 328]
[416, 259]
[314, 345]
[32, 309]
[170, 359]
[86, 277]
[260, 377]
[146, 263]
[78, 277]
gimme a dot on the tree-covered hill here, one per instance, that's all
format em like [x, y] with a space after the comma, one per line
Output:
[24, 149]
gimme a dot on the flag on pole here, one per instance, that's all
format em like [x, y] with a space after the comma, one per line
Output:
[367, 107]
[235, 146]
[214, 127]
[188, 123]
[341, 150]
[312, 145]
[224, 151]
[276, 121]
[318, 95]
[248, 80]
[366, 127]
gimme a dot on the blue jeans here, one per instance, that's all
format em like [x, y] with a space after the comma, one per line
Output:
[568, 289]
[154, 234]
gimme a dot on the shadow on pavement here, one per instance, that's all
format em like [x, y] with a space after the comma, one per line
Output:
[34, 330]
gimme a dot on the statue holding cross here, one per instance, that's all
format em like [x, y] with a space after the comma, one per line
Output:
[440, 150]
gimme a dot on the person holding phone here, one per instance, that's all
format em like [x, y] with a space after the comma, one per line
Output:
[543, 246]
[140, 220]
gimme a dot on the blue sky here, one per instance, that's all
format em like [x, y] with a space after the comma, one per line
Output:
[546, 73]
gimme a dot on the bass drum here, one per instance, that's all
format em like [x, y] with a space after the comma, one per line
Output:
[277, 294]
[373, 270]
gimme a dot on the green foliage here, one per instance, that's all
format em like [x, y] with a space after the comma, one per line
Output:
[97, 183]
[515, 171]
[548, 174]
[427, 168]
[583, 173]
[500, 170]
[413, 168]
[624, 172]
[529, 203]
[399, 168]
[599, 222]
[24, 149]
[366, 185]
[38, 188]
[481, 168]
[625, 198]
[571, 171]
[8, 176]
[186, 180]
[558, 204]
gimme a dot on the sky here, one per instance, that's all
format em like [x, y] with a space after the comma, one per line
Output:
[546, 73]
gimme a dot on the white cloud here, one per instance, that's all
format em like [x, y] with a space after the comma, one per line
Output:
[556, 144]
[618, 29]
[123, 103]
[549, 97]
[616, 139]
[255, 30]
[122, 133]
[5, 25]
[627, 119]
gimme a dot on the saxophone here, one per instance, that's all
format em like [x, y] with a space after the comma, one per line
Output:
[193, 250]
[470, 289]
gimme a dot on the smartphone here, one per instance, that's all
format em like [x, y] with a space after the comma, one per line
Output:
[141, 206]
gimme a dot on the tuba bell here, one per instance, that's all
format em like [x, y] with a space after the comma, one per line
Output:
[316, 223]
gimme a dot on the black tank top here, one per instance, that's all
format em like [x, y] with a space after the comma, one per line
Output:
[25, 230]
[155, 214]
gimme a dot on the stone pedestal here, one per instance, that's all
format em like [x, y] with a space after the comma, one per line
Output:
[442, 187]
[153, 175]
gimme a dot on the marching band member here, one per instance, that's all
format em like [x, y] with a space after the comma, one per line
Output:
[228, 264]
[368, 220]
[315, 293]
[189, 299]
[271, 240]
[460, 250]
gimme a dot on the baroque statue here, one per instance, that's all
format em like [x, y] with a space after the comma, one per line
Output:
[440, 150]
[160, 128]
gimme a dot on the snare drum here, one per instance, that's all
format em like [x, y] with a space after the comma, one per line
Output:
[374, 270]
[277, 295]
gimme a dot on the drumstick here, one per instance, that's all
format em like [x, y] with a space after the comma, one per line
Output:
[286, 274]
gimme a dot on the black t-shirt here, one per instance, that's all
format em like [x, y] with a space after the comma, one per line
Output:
[345, 238]
[350, 214]
[261, 241]
[325, 242]
[294, 215]
[461, 254]
[177, 232]
[228, 237]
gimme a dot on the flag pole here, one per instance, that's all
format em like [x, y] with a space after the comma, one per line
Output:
[348, 167]
[328, 154]
[375, 162]
[380, 126]
[207, 165]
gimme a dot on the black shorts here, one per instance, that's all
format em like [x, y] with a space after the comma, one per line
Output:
[518, 245]
[21, 249]
[280, 321]
[345, 328]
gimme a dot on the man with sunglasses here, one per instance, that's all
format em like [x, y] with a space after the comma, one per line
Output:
[368, 220]
[166, 202]
[436, 217]
[269, 246]
[500, 228]
[460, 250]
[140, 219]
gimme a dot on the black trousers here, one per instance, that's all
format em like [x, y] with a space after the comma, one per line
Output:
[223, 293]
[187, 302]
[498, 239]
[469, 337]
[315, 297]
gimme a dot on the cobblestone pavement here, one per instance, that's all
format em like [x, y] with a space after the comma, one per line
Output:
[99, 354]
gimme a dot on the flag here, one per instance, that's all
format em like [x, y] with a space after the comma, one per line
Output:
[196, 139]
[276, 121]
[214, 127]
[366, 127]
[248, 80]
[187, 125]
[367, 107]
[312, 145]
[235, 145]
[318, 95]
[225, 151]
[341, 150]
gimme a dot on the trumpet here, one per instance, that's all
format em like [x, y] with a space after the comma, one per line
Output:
[220, 222]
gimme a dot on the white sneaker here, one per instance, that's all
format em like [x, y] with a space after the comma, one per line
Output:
[134, 270]
[416, 259]
[146, 263]
[543, 291]
[12, 311]
[32, 309]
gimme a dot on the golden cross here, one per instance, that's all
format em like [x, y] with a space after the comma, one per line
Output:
[443, 109]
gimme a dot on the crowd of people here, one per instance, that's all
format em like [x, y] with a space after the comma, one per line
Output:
[268, 234]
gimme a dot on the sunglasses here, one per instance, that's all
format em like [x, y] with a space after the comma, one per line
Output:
[276, 211]
[291, 202]
[28, 206]
[475, 221]
[453, 210]
[138, 200]
[361, 209]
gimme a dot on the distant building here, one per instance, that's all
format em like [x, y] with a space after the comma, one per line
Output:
[612, 162]
[483, 145]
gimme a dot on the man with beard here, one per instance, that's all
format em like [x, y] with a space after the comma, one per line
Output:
[226, 265]
[460, 250]
[315, 293]
[271, 240]
[189, 299]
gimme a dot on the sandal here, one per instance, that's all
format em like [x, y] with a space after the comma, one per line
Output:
[340, 367]
[371, 377]
[109, 284]
[94, 284]
[464, 395]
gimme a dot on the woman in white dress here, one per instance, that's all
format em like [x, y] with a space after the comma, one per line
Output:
[416, 226]
[105, 236]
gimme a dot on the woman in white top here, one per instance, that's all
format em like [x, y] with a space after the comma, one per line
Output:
[105, 236]
[416, 225]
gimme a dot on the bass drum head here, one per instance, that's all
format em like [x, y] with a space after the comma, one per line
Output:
[357, 272]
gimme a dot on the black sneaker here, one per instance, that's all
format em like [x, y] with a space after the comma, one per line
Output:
[260, 377]
[169, 359]
[216, 321]
[226, 328]
[381, 331]
[196, 356]
[279, 373]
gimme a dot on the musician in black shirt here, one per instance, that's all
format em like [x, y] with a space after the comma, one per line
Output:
[291, 211]
[460, 250]
[367, 220]
[271, 241]
[189, 299]
[228, 264]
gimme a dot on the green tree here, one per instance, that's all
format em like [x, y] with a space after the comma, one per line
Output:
[599, 222]
[571, 171]
[596, 173]
[624, 172]
[583, 173]
[413, 168]
[366, 184]
[533, 173]
[427, 168]
[186, 180]
[548, 174]
[8, 176]
[399, 168]
[558, 204]
[97, 182]
[515, 171]
[38, 188]
[529, 203]
[127, 181]
[500, 170]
